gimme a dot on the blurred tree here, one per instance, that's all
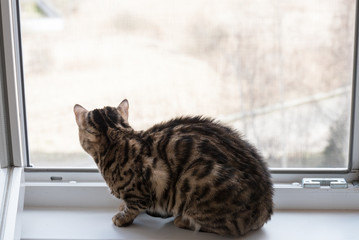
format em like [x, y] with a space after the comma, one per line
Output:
[335, 153]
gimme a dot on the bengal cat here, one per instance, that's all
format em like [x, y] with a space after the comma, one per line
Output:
[193, 168]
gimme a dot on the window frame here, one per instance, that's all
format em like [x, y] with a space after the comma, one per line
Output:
[17, 121]
[12, 184]
[13, 81]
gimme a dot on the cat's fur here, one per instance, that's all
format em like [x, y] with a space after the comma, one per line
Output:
[197, 170]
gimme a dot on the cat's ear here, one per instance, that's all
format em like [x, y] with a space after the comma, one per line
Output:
[79, 113]
[123, 109]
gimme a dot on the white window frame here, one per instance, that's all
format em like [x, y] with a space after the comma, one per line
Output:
[289, 194]
[12, 128]
[12, 73]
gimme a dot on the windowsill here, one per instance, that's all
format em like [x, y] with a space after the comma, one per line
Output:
[83, 209]
[95, 223]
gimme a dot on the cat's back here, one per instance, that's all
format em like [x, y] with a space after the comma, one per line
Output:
[201, 136]
[182, 123]
[202, 145]
[197, 126]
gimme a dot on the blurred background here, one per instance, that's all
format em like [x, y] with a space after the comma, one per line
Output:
[278, 71]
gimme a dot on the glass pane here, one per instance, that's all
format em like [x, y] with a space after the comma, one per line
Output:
[279, 71]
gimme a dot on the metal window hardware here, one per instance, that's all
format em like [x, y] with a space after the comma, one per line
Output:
[324, 182]
[56, 178]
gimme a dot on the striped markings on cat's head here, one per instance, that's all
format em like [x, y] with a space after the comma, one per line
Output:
[96, 126]
[101, 119]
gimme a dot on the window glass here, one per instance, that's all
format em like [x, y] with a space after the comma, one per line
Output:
[279, 71]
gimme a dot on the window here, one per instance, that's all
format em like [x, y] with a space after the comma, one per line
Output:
[44, 193]
[278, 71]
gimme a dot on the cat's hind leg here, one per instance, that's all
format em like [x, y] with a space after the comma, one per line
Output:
[186, 223]
[211, 222]
[190, 224]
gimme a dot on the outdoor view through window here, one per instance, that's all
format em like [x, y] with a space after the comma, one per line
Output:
[278, 71]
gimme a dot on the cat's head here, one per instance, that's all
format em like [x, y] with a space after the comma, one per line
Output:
[99, 127]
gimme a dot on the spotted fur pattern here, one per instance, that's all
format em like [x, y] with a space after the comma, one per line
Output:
[193, 168]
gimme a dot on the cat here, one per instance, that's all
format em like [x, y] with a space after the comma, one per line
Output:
[192, 168]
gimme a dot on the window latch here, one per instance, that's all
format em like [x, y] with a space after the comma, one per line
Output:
[324, 182]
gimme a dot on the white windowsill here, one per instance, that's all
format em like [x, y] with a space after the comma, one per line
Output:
[95, 223]
[83, 210]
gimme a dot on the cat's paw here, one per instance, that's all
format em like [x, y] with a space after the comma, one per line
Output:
[186, 223]
[182, 223]
[121, 219]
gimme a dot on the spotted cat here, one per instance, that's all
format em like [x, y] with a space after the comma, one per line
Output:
[193, 168]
